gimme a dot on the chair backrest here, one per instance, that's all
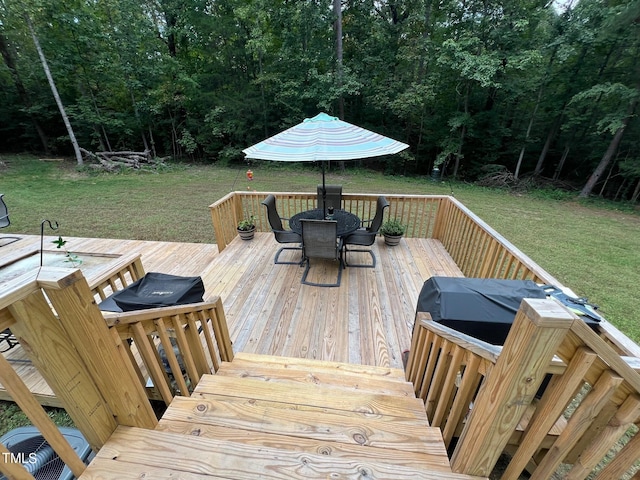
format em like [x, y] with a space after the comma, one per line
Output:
[4, 213]
[376, 223]
[272, 213]
[333, 196]
[320, 239]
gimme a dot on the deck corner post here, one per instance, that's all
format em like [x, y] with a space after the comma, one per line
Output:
[88, 334]
[538, 329]
[441, 218]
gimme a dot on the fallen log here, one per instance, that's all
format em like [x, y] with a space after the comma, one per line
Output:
[122, 159]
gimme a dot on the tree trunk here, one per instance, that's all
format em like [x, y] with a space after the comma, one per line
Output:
[528, 134]
[565, 154]
[547, 145]
[608, 155]
[636, 193]
[22, 92]
[337, 28]
[54, 90]
[463, 132]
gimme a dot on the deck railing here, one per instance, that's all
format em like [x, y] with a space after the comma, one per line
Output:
[122, 273]
[173, 346]
[488, 400]
[92, 365]
[176, 345]
[478, 250]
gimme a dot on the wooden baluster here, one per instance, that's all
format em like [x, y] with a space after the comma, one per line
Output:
[537, 331]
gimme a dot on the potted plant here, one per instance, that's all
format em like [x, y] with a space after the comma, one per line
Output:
[247, 228]
[392, 231]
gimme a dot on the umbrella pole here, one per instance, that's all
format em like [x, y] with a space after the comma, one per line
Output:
[324, 195]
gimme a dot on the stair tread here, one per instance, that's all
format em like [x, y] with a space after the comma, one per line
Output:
[311, 395]
[320, 376]
[313, 365]
[129, 455]
[310, 422]
[433, 455]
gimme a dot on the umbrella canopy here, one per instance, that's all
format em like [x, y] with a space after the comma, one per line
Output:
[323, 137]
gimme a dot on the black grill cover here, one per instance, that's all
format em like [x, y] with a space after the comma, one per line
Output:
[480, 307]
[156, 290]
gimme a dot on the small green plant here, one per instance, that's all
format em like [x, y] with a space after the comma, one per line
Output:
[248, 223]
[72, 258]
[393, 227]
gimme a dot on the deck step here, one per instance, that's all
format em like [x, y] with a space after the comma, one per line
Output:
[310, 396]
[272, 417]
[336, 375]
[128, 455]
[312, 365]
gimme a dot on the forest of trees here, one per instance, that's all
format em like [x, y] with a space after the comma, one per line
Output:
[518, 88]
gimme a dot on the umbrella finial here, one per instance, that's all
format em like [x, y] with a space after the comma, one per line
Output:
[321, 117]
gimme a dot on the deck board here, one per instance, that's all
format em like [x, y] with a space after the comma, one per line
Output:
[367, 320]
[128, 456]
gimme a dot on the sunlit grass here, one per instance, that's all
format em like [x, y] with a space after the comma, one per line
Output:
[589, 247]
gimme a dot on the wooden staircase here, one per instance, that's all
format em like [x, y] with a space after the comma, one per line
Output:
[284, 418]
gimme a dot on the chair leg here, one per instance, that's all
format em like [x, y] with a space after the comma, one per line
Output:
[361, 265]
[13, 239]
[7, 336]
[277, 262]
[306, 272]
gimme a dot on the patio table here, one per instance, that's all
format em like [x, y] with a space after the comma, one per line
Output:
[347, 221]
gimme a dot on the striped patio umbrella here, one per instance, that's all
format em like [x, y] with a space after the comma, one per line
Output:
[323, 138]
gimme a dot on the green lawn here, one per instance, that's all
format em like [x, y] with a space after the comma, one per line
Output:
[590, 247]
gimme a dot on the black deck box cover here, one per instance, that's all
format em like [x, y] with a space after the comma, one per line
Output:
[480, 307]
[155, 290]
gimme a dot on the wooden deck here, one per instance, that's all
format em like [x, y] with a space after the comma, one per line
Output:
[367, 320]
[275, 417]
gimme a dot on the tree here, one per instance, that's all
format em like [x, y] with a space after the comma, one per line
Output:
[54, 91]
[611, 149]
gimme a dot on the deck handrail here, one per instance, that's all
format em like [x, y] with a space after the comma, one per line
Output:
[122, 272]
[417, 212]
[62, 331]
[88, 362]
[446, 367]
[177, 345]
[489, 399]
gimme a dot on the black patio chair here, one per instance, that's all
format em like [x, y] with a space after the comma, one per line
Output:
[366, 236]
[320, 240]
[281, 235]
[332, 197]
[4, 222]
[9, 338]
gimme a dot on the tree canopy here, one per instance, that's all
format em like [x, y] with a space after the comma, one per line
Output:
[522, 87]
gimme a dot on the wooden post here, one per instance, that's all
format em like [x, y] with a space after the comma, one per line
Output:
[537, 331]
[441, 218]
[29, 405]
[87, 331]
[218, 228]
[46, 343]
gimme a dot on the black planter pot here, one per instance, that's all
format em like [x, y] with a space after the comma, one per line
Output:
[392, 240]
[247, 234]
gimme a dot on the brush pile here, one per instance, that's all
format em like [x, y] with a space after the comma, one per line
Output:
[112, 161]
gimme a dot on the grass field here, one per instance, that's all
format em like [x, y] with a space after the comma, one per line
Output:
[592, 247]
